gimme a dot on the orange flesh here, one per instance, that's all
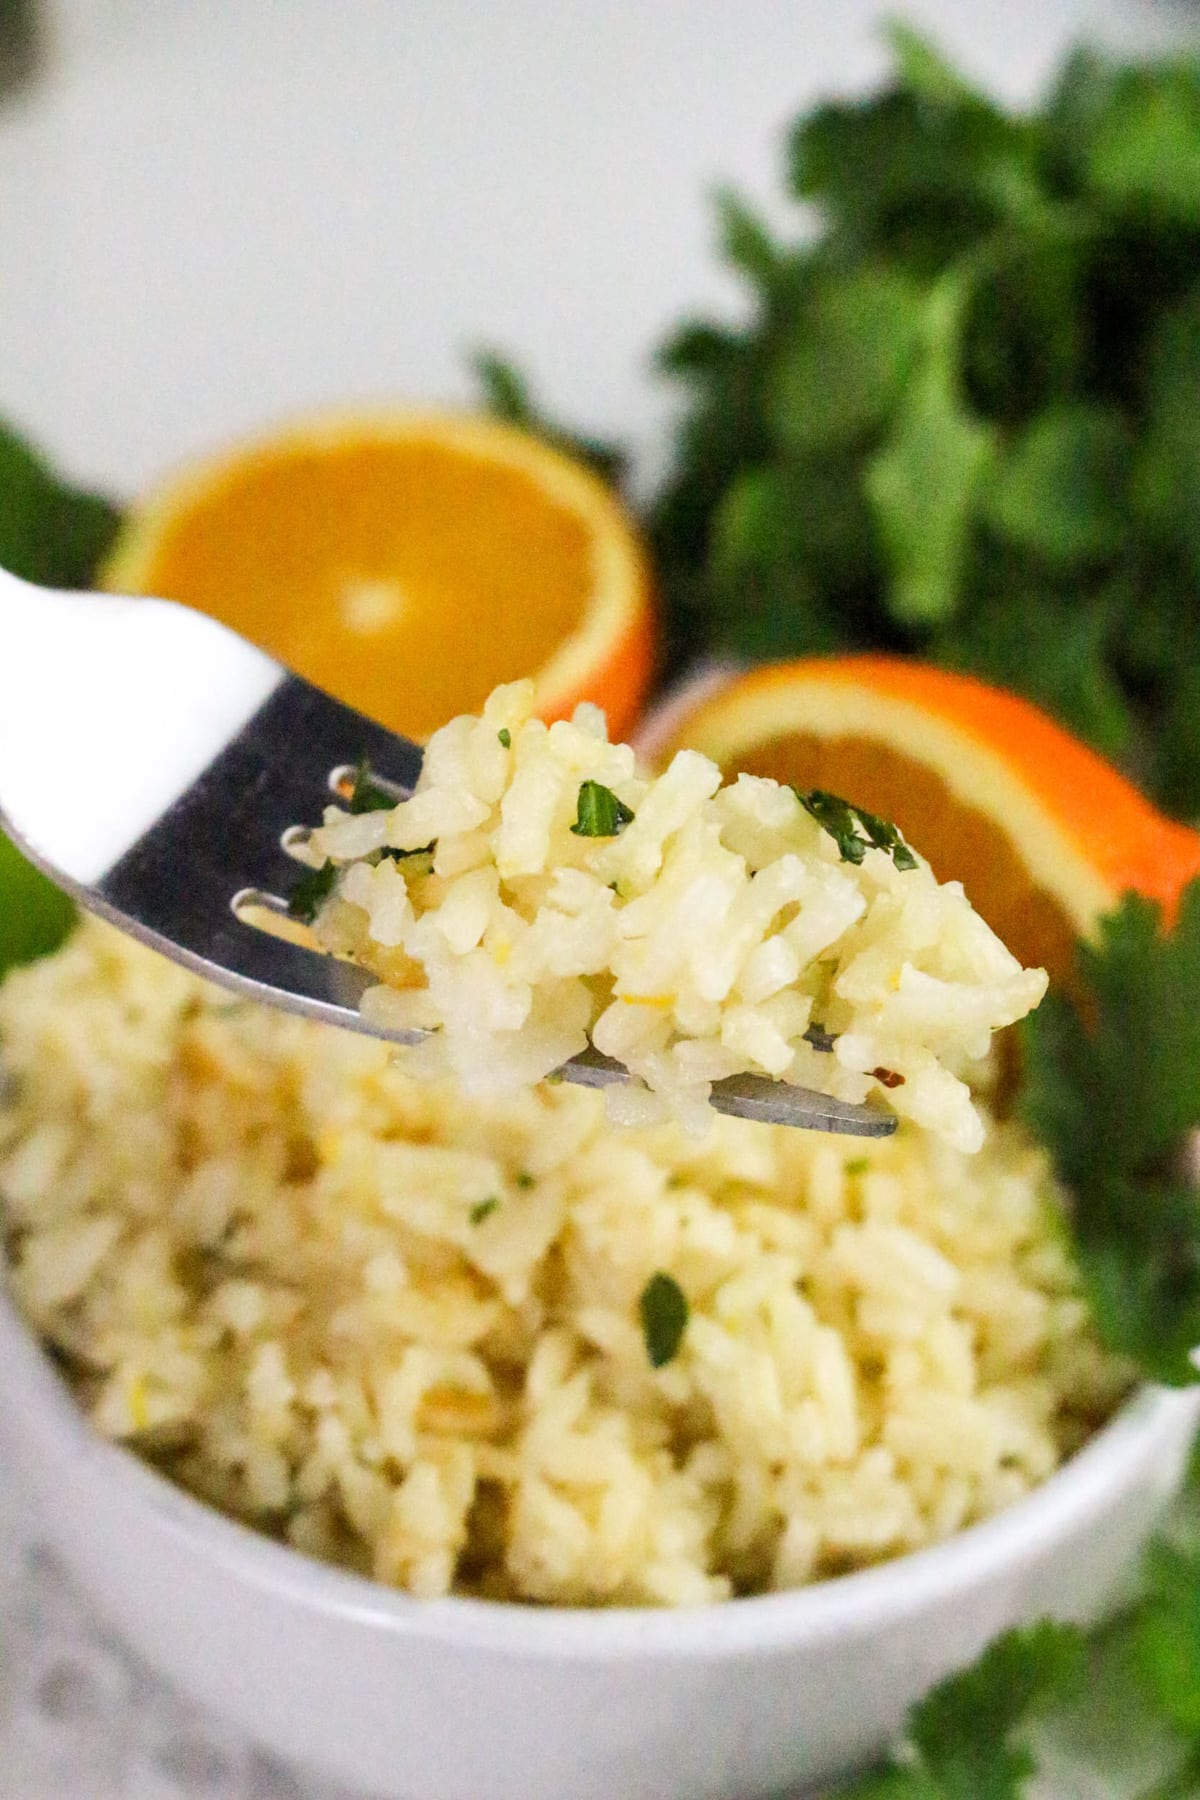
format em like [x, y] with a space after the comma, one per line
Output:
[1124, 837]
[470, 606]
[961, 843]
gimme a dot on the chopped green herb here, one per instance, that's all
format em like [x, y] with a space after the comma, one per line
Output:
[664, 1311]
[854, 830]
[420, 860]
[820, 1039]
[311, 892]
[523, 1179]
[483, 1209]
[858, 1165]
[505, 736]
[600, 813]
[365, 797]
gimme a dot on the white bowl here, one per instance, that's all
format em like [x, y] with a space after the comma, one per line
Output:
[466, 1700]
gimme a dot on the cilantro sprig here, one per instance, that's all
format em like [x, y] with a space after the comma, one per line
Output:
[1050, 1709]
[1112, 1088]
[961, 419]
[961, 1741]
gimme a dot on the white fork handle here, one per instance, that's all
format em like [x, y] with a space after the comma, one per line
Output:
[109, 708]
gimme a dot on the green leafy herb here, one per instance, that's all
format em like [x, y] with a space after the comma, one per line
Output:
[415, 862]
[854, 830]
[365, 797]
[1112, 1088]
[664, 1310]
[600, 814]
[962, 420]
[50, 532]
[483, 1209]
[962, 1739]
[505, 736]
[523, 1179]
[311, 892]
[35, 916]
[858, 1165]
[54, 534]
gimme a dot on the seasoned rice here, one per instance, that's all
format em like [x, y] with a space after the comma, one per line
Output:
[536, 891]
[400, 1328]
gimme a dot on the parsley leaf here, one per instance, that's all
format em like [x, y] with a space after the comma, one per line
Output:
[35, 916]
[311, 892]
[664, 1311]
[960, 419]
[599, 813]
[365, 796]
[57, 535]
[961, 1737]
[505, 737]
[50, 532]
[924, 482]
[1112, 1088]
[483, 1209]
[855, 830]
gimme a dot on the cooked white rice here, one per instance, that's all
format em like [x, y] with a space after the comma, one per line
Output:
[702, 936]
[273, 1262]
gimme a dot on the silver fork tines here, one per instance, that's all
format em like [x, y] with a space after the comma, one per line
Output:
[152, 763]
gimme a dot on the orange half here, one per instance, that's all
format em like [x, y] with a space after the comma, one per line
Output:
[407, 563]
[1044, 834]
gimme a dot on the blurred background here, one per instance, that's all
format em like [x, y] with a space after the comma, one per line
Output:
[221, 212]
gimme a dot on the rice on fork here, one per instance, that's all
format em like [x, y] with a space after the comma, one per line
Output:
[537, 892]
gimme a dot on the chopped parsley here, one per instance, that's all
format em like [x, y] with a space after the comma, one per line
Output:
[483, 1209]
[505, 736]
[424, 855]
[365, 797]
[820, 1039]
[664, 1309]
[853, 829]
[858, 1165]
[311, 892]
[523, 1179]
[600, 814]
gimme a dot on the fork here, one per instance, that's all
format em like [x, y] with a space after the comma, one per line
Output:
[148, 753]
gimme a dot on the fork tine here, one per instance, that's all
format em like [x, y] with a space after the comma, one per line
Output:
[173, 886]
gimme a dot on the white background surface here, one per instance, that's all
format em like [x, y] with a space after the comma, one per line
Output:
[218, 212]
[215, 213]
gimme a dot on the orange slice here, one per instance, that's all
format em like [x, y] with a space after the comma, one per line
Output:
[1043, 833]
[408, 562]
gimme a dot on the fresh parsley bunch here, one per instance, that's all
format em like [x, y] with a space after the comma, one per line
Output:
[1112, 1089]
[963, 418]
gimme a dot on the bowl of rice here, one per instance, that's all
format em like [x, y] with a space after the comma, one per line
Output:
[468, 1446]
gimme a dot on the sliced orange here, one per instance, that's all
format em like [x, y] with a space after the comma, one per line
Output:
[1043, 833]
[408, 562]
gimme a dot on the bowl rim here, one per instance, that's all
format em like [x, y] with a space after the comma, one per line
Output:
[36, 1400]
